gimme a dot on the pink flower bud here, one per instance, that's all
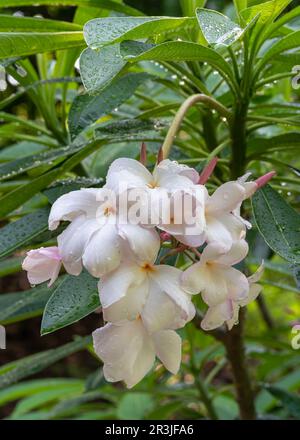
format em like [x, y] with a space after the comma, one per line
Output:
[165, 236]
[263, 180]
[143, 154]
[207, 172]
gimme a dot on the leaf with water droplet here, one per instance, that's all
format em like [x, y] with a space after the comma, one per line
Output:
[278, 223]
[72, 300]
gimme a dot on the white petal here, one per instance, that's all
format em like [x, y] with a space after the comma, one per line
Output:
[254, 291]
[168, 349]
[226, 198]
[114, 286]
[237, 283]
[192, 280]
[172, 167]
[73, 241]
[117, 347]
[161, 312]
[217, 315]
[168, 279]
[130, 306]
[257, 275]
[215, 285]
[145, 243]
[224, 229]
[127, 172]
[102, 254]
[237, 253]
[73, 204]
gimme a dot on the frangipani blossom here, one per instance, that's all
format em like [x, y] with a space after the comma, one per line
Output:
[128, 351]
[95, 237]
[136, 289]
[42, 264]
[167, 175]
[214, 277]
[228, 311]
[175, 203]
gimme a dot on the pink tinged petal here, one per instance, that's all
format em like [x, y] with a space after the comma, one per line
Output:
[42, 265]
[168, 279]
[161, 312]
[237, 253]
[263, 180]
[129, 172]
[217, 315]
[114, 286]
[73, 241]
[145, 243]
[102, 253]
[167, 345]
[71, 205]
[207, 171]
[226, 198]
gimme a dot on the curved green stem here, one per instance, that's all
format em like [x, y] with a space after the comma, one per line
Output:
[185, 106]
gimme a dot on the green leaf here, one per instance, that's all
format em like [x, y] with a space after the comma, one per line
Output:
[10, 266]
[290, 401]
[72, 300]
[110, 133]
[29, 388]
[20, 44]
[291, 41]
[87, 109]
[19, 306]
[10, 23]
[278, 223]
[240, 5]
[30, 365]
[64, 186]
[268, 11]
[101, 31]
[105, 4]
[20, 149]
[184, 51]
[36, 401]
[217, 28]
[21, 232]
[134, 406]
[99, 68]
[281, 141]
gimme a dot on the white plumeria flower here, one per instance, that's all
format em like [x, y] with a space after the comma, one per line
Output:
[42, 264]
[95, 237]
[128, 350]
[174, 200]
[136, 289]
[167, 175]
[214, 277]
[228, 311]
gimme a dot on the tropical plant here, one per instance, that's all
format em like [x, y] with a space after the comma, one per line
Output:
[78, 94]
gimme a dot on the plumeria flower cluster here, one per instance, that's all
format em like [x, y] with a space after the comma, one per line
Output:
[144, 301]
